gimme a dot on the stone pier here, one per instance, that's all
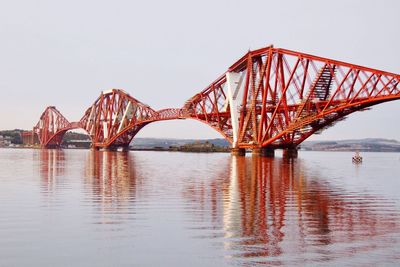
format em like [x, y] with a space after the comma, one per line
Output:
[264, 152]
[238, 151]
[115, 148]
[290, 153]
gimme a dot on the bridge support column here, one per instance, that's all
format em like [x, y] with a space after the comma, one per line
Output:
[52, 146]
[116, 148]
[238, 151]
[123, 149]
[264, 152]
[290, 153]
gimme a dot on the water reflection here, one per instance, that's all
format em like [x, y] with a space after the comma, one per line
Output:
[51, 166]
[111, 178]
[111, 175]
[270, 207]
[256, 210]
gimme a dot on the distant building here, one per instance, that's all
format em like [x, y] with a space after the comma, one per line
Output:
[29, 138]
[5, 141]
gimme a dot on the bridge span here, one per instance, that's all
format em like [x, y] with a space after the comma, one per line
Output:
[270, 98]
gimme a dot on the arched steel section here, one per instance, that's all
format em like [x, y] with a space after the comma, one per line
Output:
[115, 118]
[277, 98]
[51, 127]
[270, 97]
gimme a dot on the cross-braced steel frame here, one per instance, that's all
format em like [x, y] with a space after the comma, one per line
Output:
[269, 98]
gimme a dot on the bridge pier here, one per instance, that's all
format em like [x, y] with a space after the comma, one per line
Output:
[123, 149]
[264, 152]
[115, 148]
[290, 153]
[238, 151]
[53, 146]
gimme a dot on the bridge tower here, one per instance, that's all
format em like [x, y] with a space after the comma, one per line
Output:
[276, 98]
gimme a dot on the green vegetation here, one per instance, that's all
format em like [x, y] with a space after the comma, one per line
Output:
[200, 147]
[367, 144]
[75, 136]
[168, 143]
[14, 135]
[204, 146]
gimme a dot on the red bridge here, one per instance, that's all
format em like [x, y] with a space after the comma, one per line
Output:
[270, 98]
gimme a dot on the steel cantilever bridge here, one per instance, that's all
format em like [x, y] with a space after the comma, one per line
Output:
[270, 98]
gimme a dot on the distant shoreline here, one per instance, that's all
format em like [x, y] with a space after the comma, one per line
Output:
[205, 151]
[72, 140]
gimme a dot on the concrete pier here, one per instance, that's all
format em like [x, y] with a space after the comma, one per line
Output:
[115, 148]
[290, 153]
[238, 151]
[264, 152]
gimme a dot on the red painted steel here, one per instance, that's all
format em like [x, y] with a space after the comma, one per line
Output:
[112, 121]
[288, 96]
[115, 118]
[281, 98]
[51, 127]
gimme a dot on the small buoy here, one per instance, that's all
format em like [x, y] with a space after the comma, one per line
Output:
[357, 159]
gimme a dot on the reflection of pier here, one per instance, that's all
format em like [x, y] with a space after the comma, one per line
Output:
[268, 206]
[51, 166]
[111, 175]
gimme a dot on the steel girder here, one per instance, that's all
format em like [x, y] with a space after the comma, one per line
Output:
[115, 118]
[51, 127]
[270, 97]
[112, 121]
[277, 98]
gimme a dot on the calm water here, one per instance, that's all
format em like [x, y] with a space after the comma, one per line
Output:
[86, 208]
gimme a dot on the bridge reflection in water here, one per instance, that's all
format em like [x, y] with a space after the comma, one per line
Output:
[109, 180]
[272, 207]
[51, 166]
[111, 175]
[108, 173]
[257, 209]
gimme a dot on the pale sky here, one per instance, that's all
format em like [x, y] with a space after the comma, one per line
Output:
[64, 53]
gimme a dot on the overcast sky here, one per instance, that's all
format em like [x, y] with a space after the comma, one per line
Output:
[64, 53]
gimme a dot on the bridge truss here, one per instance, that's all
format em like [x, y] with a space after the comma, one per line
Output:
[270, 98]
[277, 98]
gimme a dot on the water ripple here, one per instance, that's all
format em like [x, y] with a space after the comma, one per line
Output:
[80, 208]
